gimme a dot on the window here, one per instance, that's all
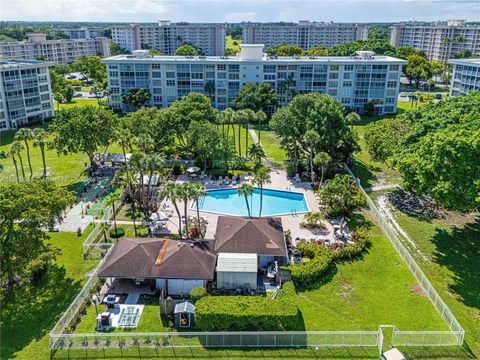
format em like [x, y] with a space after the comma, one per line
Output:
[347, 84]
[170, 75]
[334, 67]
[269, 68]
[170, 82]
[221, 67]
[394, 67]
[348, 68]
[392, 84]
[333, 76]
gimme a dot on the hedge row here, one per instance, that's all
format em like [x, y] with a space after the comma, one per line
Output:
[322, 257]
[197, 293]
[247, 313]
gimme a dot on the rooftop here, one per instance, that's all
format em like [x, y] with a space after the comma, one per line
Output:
[475, 62]
[14, 63]
[263, 236]
[239, 262]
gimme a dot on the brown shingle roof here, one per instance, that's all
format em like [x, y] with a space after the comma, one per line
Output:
[135, 258]
[263, 236]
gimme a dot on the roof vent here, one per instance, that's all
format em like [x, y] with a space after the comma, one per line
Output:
[365, 55]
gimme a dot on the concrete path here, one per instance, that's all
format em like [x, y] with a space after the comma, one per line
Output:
[72, 222]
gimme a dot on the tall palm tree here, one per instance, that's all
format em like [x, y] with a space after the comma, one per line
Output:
[245, 190]
[40, 141]
[198, 192]
[311, 140]
[138, 166]
[110, 201]
[153, 163]
[257, 153]
[260, 117]
[248, 116]
[25, 134]
[231, 119]
[17, 149]
[133, 214]
[186, 192]
[261, 178]
[322, 159]
[170, 192]
[12, 152]
[123, 137]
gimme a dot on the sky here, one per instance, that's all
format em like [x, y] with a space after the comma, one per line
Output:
[239, 10]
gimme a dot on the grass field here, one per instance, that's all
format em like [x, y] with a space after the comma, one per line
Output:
[76, 102]
[271, 145]
[30, 312]
[229, 43]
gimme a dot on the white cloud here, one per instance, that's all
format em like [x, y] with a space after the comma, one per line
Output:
[245, 16]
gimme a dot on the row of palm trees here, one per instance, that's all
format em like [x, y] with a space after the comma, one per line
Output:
[21, 142]
[183, 192]
[260, 178]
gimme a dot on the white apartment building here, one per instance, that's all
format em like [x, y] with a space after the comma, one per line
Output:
[354, 81]
[57, 51]
[465, 77]
[79, 33]
[305, 34]
[440, 40]
[25, 92]
[167, 37]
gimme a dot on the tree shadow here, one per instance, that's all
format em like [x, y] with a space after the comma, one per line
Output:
[459, 251]
[438, 352]
[30, 311]
[419, 206]
[358, 220]
[365, 172]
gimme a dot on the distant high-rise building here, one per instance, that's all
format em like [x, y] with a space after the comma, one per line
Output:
[305, 34]
[79, 33]
[25, 92]
[352, 80]
[58, 51]
[167, 37]
[465, 76]
[440, 40]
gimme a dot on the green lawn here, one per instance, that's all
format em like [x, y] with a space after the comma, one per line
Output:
[449, 253]
[362, 294]
[30, 312]
[229, 43]
[271, 145]
[76, 102]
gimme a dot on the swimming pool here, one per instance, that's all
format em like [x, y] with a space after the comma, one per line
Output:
[275, 202]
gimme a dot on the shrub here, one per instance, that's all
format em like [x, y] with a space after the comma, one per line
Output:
[245, 313]
[117, 234]
[197, 293]
[177, 169]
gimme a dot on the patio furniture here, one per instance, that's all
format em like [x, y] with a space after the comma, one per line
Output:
[297, 178]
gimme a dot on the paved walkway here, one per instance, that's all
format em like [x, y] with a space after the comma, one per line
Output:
[252, 132]
[72, 222]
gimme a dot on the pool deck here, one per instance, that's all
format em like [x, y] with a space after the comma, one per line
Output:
[279, 181]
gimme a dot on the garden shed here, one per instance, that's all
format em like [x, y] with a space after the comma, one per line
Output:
[184, 315]
[237, 271]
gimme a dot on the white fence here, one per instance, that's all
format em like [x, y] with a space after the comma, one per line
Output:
[413, 337]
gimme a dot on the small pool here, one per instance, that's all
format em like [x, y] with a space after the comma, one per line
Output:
[275, 202]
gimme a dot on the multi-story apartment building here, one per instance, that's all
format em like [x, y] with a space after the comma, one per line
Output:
[465, 77]
[25, 92]
[58, 51]
[79, 33]
[354, 81]
[305, 34]
[440, 40]
[166, 37]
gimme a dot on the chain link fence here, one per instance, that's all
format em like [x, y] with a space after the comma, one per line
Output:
[408, 338]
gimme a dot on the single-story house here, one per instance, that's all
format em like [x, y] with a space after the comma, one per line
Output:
[177, 265]
[237, 271]
[261, 236]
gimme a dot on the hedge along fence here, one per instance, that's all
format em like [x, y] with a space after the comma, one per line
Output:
[246, 313]
[322, 258]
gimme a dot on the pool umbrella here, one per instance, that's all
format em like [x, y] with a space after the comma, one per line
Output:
[193, 169]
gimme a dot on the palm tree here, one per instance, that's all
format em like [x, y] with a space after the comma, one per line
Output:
[322, 159]
[40, 141]
[12, 152]
[153, 163]
[311, 139]
[170, 192]
[186, 192]
[59, 98]
[122, 136]
[134, 214]
[247, 116]
[246, 190]
[353, 118]
[230, 118]
[260, 178]
[17, 149]
[25, 135]
[110, 201]
[257, 153]
[260, 117]
[198, 192]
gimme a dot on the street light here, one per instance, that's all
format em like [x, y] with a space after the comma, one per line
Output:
[95, 301]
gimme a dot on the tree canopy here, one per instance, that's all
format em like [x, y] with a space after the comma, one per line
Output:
[186, 50]
[321, 114]
[136, 97]
[439, 155]
[83, 129]
[258, 96]
[25, 208]
[284, 50]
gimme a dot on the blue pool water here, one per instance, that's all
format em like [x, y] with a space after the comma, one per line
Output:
[275, 202]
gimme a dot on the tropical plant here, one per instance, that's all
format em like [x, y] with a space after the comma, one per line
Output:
[186, 50]
[311, 140]
[26, 135]
[169, 191]
[246, 116]
[245, 190]
[257, 153]
[260, 117]
[341, 195]
[185, 192]
[198, 191]
[136, 97]
[322, 159]
[261, 178]
[110, 201]
[40, 136]
[15, 150]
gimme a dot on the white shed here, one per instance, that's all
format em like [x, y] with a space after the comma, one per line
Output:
[237, 271]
